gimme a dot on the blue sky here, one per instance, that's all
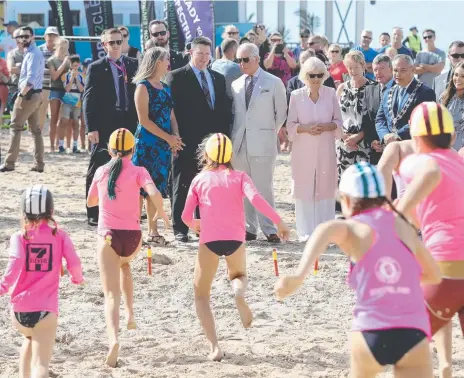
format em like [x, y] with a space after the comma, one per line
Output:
[445, 17]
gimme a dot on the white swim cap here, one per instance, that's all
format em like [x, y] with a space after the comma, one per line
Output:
[362, 180]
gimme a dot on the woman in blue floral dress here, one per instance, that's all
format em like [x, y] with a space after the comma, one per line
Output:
[157, 136]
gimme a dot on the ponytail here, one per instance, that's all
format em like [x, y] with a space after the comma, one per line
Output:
[400, 214]
[115, 170]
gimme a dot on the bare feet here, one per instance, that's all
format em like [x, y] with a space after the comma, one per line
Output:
[131, 325]
[112, 357]
[216, 354]
[246, 315]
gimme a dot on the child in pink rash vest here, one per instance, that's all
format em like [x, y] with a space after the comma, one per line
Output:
[218, 190]
[34, 270]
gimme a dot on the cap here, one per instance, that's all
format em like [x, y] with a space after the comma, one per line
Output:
[305, 31]
[431, 118]
[362, 180]
[122, 140]
[52, 30]
[413, 28]
[11, 23]
[37, 200]
[219, 148]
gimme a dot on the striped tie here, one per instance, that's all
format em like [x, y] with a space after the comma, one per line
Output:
[249, 90]
[205, 87]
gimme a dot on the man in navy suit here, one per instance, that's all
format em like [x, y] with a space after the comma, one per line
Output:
[398, 102]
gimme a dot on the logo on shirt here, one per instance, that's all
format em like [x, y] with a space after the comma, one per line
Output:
[39, 258]
[388, 270]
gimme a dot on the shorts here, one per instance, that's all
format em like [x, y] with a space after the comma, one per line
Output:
[30, 319]
[388, 346]
[224, 247]
[70, 112]
[55, 95]
[124, 242]
[443, 301]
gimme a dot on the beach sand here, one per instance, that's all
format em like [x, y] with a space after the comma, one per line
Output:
[305, 336]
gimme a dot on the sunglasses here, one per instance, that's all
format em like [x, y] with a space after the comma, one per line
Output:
[457, 56]
[112, 43]
[244, 60]
[125, 36]
[156, 34]
[428, 37]
[233, 33]
[335, 51]
[276, 40]
[304, 36]
[25, 36]
[313, 76]
[366, 37]
[312, 43]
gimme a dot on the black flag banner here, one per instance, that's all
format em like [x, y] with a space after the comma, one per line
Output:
[176, 38]
[99, 17]
[62, 18]
[147, 13]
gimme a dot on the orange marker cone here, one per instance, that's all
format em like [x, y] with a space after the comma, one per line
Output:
[316, 266]
[149, 255]
[62, 270]
[276, 265]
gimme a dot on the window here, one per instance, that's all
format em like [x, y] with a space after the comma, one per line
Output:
[27, 18]
[75, 14]
[118, 19]
[134, 19]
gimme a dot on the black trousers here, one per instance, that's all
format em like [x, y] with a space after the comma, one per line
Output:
[184, 170]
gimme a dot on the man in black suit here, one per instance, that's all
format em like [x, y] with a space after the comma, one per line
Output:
[373, 95]
[159, 34]
[108, 103]
[392, 121]
[202, 107]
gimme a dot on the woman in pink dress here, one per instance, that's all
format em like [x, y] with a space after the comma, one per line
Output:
[314, 123]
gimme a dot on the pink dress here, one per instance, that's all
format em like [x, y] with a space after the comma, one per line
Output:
[313, 159]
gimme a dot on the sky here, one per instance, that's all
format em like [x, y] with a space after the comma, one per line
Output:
[445, 17]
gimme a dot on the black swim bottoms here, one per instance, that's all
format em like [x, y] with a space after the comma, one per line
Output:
[390, 345]
[224, 247]
[30, 319]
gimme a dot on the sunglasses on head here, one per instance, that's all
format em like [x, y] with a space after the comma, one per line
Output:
[156, 34]
[112, 43]
[428, 37]
[24, 36]
[457, 56]
[313, 76]
[244, 60]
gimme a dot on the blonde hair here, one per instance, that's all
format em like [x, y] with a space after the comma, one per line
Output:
[356, 56]
[337, 46]
[59, 42]
[305, 55]
[227, 28]
[147, 66]
[311, 65]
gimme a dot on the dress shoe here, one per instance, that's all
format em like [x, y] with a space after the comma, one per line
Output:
[183, 238]
[4, 168]
[273, 238]
[92, 222]
[249, 236]
[35, 169]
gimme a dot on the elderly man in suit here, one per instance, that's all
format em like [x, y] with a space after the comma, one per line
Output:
[260, 105]
[392, 121]
[373, 95]
[455, 55]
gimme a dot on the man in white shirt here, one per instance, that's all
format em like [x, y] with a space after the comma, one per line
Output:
[8, 43]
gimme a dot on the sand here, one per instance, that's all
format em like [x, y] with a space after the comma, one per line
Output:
[306, 336]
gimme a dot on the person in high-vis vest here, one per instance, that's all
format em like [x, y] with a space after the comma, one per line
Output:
[413, 41]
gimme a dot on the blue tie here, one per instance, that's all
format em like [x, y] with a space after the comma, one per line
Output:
[401, 95]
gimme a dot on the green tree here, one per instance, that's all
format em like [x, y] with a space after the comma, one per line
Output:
[308, 20]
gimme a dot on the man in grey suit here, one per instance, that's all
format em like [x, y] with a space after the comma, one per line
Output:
[455, 55]
[260, 110]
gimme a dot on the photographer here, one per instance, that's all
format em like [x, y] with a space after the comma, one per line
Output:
[279, 61]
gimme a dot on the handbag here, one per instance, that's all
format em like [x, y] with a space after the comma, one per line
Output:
[70, 99]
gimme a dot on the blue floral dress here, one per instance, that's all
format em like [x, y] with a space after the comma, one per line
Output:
[152, 152]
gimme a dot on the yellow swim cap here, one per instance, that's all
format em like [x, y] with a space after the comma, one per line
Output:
[431, 118]
[219, 148]
[122, 140]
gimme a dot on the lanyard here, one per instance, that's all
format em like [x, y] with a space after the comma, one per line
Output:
[121, 68]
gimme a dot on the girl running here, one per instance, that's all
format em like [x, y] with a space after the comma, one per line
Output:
[116, 190]
[435, 177]
[34, 271]
[219, 190]
[388, 262]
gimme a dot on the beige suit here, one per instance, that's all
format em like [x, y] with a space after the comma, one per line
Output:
[255, 138]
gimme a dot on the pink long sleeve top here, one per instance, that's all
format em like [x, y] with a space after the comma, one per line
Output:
[34, 269]
[219, 194]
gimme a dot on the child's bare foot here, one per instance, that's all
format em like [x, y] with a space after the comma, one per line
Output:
[112, 357]
[246, 315]
[131, 324]
[216, 354]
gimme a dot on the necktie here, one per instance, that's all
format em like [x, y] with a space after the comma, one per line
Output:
[122, 88]
[401, 94]
[249, 90]
[205, 87]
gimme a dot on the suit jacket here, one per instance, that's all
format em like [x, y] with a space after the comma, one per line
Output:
[440, 83]
[296, 83]
[265, 116]
[383, 121]
[177, 60]
[195, 118]
[99, 98]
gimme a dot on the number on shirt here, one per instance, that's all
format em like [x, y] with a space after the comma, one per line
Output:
[39, 258]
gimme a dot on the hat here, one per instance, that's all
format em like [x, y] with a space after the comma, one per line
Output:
[52, 30]
[413, 28]
[362, 180]
[11, 23]
[219, 148]
[305, 31]
[431, 118]
[37, 200]
[122, 140]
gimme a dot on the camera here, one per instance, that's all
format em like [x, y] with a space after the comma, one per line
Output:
[280, 48]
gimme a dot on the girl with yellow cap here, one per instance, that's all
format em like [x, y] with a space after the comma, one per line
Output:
[218, 190]
[433, 198]
[116, 190]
